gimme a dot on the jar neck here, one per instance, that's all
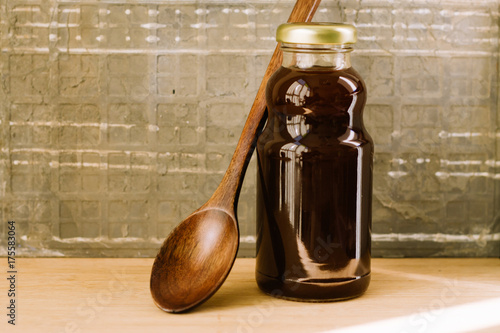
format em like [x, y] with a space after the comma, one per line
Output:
[316, 57]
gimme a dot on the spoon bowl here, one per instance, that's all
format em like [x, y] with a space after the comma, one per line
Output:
[194, 260]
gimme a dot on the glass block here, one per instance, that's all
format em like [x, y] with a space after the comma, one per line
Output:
[119, 118]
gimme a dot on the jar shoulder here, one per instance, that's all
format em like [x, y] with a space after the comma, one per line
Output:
[317, 105]
[290, 81]
[316, 92]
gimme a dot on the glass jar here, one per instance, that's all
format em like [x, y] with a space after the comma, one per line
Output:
[315, 160]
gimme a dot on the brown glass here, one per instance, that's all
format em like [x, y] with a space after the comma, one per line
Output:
[314, 186]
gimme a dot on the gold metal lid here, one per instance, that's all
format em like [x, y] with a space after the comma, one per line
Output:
[316, 33]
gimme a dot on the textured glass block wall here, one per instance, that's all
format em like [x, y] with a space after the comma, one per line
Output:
[118, 118]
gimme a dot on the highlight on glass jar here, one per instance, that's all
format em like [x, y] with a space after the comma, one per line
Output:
[315, 158]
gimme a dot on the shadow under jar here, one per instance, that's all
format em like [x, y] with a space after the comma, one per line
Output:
[315, 161]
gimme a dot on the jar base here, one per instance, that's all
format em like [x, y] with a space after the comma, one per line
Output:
[316, 291]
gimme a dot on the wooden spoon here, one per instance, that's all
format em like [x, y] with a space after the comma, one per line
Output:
[197, 256]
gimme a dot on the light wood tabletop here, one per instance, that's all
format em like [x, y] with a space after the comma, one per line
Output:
[112, 295]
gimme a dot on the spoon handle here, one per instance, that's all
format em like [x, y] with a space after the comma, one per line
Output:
[226, 195]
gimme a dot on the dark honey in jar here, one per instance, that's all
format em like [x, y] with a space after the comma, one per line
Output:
[315, 162]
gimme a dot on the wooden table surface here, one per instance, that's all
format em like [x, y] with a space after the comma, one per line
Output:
[112, 295]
